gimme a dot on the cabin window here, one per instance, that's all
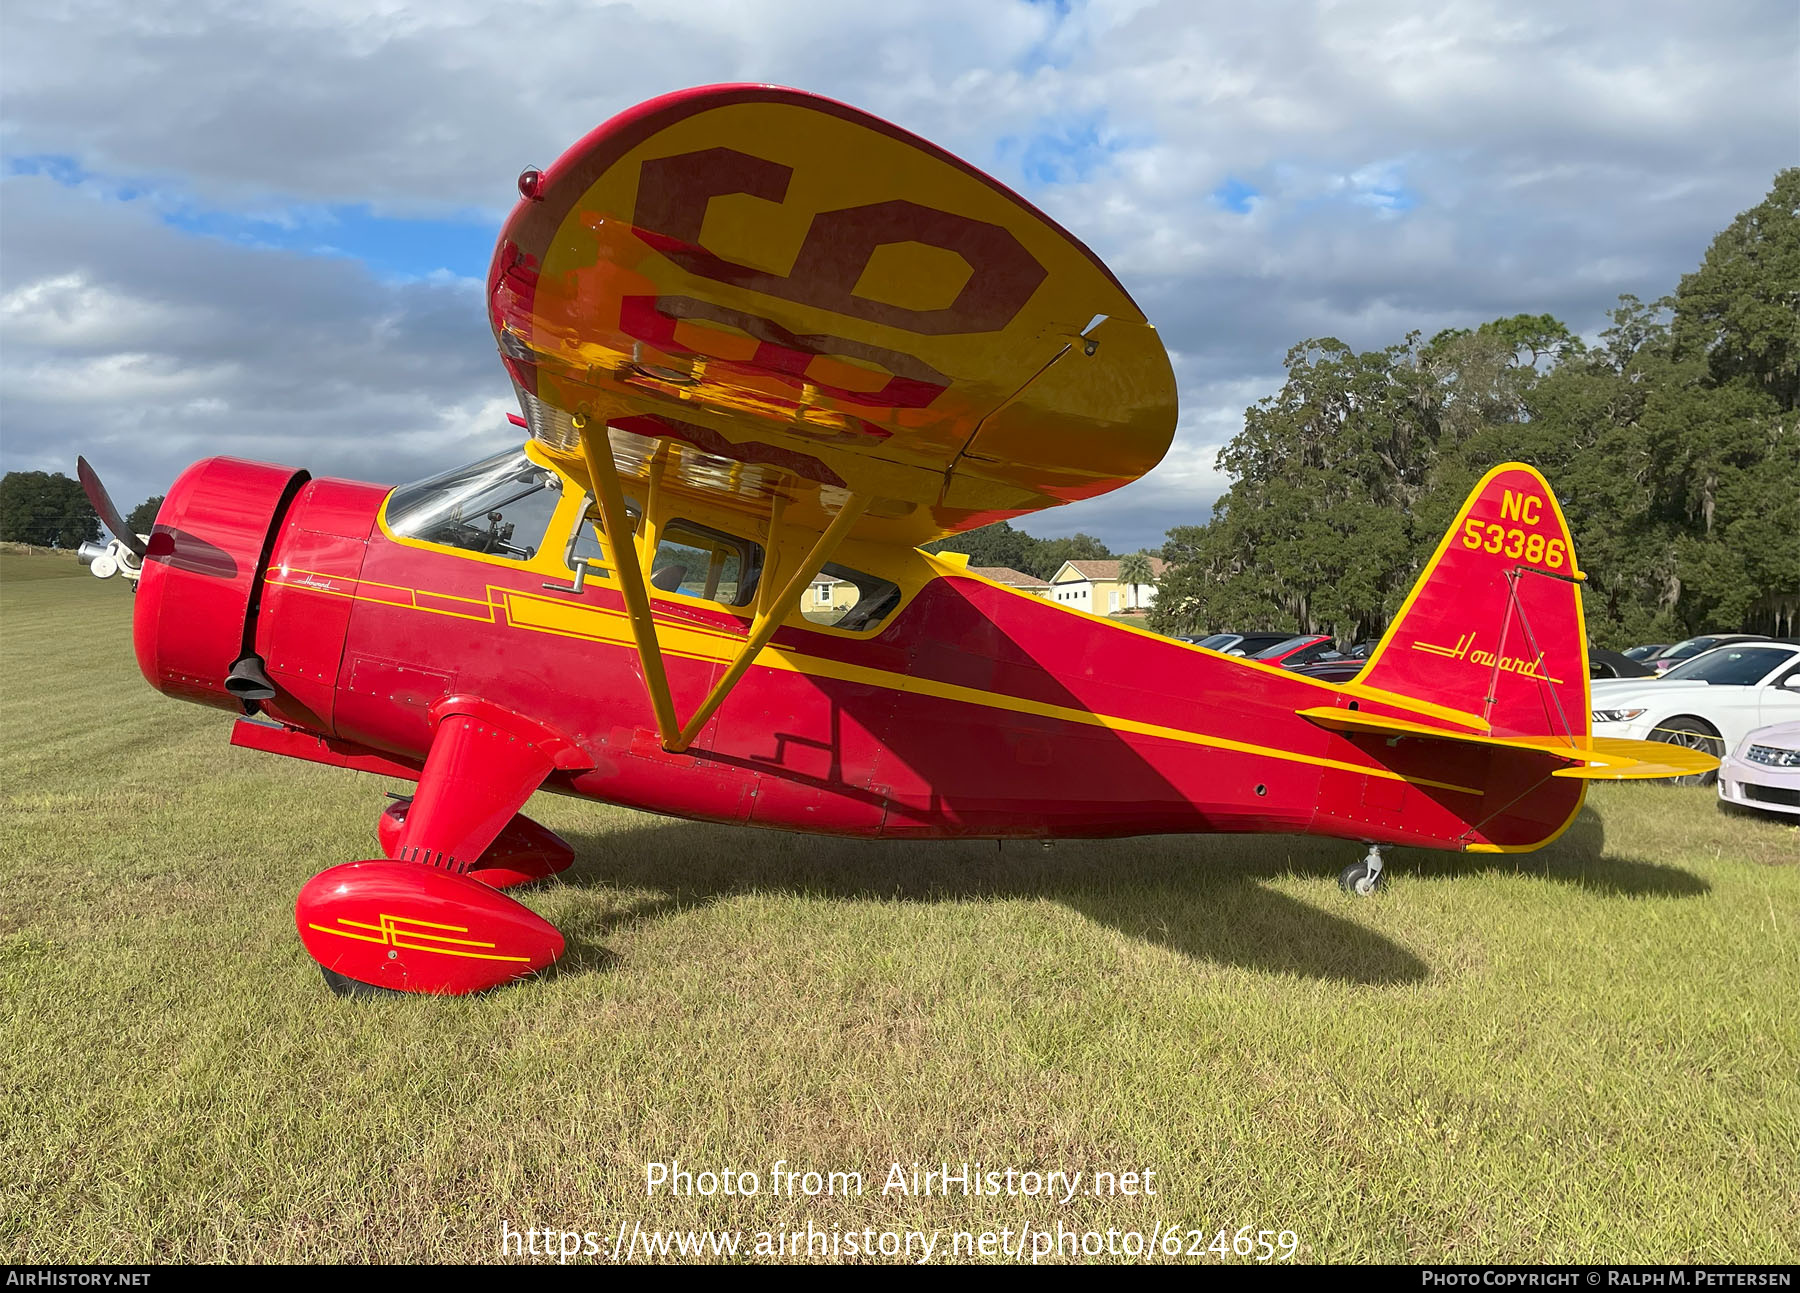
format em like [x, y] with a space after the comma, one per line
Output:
[501, 507]
[694, 561]
[849, 599]
[585, 543]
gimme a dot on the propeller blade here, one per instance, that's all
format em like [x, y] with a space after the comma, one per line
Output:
[103, 504]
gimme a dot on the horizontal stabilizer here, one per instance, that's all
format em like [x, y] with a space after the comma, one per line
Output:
[1625, 760]
[1601, 758]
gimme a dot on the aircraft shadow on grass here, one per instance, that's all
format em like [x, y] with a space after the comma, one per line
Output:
[1201, 896]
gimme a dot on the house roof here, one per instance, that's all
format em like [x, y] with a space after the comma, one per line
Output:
[1008, 576]
[1093, 570]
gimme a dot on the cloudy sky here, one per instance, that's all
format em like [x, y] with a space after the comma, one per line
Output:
[260, 229]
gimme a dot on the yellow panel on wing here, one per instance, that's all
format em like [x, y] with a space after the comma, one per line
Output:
[1043, 438]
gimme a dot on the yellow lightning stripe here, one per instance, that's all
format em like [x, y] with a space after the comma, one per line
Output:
[1456, 652]
[390, 931]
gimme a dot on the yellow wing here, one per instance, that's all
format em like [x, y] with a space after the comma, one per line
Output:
[795, 296]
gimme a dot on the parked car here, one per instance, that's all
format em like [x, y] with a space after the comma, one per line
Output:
[1338, 669]
[1361, 650]
[1306, 648]
[1764, 771]
[1644, 652]
[1711, 702]
[1240, 643]
[1688, 649]
[1611, 664]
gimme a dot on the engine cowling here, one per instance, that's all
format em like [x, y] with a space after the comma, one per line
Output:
[201, 576]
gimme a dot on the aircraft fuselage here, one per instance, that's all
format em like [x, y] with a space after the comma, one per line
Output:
[972, 709]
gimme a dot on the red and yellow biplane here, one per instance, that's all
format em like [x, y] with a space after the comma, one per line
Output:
[765, 345]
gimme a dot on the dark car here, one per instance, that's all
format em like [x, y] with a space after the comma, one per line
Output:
[1241, 643]
[1611, 664]
[1648, 651]
[1682, 652]
[1341, 669]
[1291, 653]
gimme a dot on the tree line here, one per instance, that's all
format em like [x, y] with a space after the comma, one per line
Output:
[1673, 445]
[1001, 545]
[50, 510]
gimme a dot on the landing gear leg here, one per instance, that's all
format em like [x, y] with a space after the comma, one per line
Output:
[523, 851]
[1363, 878]
[417, 921]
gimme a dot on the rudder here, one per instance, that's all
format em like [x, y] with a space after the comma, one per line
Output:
[1493, 630]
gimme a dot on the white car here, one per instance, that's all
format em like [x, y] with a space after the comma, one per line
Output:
[1709, 703]
[1764, 770]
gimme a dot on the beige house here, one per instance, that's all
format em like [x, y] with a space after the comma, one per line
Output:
[828, 595]
[1094, 586]
[1013, 579]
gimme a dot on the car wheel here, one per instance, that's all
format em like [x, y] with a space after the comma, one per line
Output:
[1695, 734]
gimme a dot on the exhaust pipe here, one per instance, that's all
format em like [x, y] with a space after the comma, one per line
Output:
[247, 681]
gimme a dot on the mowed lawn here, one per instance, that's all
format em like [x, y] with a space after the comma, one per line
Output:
[1590, 1053]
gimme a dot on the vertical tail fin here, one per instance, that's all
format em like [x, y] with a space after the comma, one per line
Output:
[1493, 629]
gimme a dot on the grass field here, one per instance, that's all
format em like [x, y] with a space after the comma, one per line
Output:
[1591, 1053]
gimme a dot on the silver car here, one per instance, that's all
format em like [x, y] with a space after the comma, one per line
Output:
[1764, 771]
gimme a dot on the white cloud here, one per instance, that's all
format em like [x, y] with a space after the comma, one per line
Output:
[145, 348]
[72, 312]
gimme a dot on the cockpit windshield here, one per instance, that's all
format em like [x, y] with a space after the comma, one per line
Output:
[501, 506]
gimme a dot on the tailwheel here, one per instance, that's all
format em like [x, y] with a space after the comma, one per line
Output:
[408, 927]
[1365, 877]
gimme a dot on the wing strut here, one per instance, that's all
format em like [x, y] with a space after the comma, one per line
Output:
[597, 449]
[765, 587]
[763, 627]
[605, 475]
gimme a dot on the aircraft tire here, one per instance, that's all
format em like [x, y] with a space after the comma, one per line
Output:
[1355, 879]
[342, 985]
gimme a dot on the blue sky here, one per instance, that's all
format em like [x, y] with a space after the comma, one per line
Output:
[1235, 195]
[260, 229]
[1058, 152]
[391, 246]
